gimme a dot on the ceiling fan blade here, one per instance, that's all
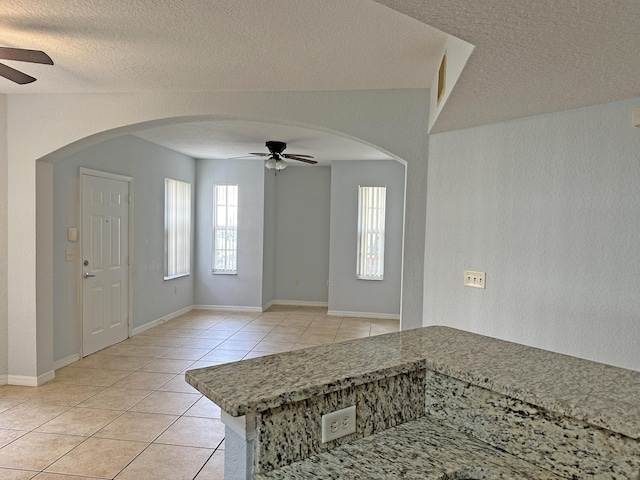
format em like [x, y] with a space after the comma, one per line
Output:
[300, 159]
[15, 75]
[296, 155]
[249, 155]
[24, 55]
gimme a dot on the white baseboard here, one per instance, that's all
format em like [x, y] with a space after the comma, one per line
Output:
[29, 381]
[298, 303]
[4, 379]
[227, 308]
[383, 316]
[63, 362]
[161, 320]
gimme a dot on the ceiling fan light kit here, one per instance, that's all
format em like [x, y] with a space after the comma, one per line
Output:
[276, 159]
[275, 164]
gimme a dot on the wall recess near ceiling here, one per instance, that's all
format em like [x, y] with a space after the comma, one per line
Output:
[442, 77]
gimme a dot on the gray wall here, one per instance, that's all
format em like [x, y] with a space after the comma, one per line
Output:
[346, 292]
[148, 164]
[549, 207]
[269, 246]
[4, 368]
[245, 288]
[302, 209]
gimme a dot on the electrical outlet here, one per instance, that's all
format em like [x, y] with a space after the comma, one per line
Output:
[474, 279]
[338, 424]
[175, 289]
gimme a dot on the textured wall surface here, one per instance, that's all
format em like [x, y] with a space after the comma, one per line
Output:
[148, 164]
[394, 121]
[269, 239]
[548, 207]
[243, 289]
[3, 239]
[346, 292]
[302, 209]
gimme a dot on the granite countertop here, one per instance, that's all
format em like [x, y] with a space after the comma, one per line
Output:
[418, 450]
[598, 394]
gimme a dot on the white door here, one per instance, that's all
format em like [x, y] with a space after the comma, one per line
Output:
[105, 258]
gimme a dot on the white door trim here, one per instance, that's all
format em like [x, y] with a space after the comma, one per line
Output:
[113, 176]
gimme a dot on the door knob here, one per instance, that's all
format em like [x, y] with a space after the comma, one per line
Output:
[87, 275]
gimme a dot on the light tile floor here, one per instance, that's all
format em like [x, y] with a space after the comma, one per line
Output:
[127, 413]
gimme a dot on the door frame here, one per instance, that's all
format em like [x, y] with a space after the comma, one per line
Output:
[82, 171]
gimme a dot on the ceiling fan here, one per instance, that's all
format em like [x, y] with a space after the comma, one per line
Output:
[276, 158]
[21, 55]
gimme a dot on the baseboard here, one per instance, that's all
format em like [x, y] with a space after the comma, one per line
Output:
[63, 362]
[299, 303]
[227, 308]
[29, 381]
[4, 379]
[383, 316]
[159, 321]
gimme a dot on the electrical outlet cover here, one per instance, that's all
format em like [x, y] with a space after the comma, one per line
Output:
[338, 424]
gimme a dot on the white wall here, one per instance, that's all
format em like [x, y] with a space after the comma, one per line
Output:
[4, 360]
[148, 164]
[549, 207]
[245, 288]
[302, 209]
[346, 292]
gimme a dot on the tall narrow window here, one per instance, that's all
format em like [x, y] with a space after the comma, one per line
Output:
[371, 217]
[225, 228]
[177, 228]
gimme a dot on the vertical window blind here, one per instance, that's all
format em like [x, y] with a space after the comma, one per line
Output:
[177, 228]
[371, 223]
[225, 228]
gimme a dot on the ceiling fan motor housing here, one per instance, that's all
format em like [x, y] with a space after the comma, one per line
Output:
[276, 147]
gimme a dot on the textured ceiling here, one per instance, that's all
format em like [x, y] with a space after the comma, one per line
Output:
[535, 57]
[235, 138]
[530, 57]
[219, 45]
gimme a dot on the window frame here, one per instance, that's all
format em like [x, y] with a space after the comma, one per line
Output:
[177, 229]
[233, 226]
[371, 226]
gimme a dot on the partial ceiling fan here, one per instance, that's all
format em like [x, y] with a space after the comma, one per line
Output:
[276, 158]
[21, 55]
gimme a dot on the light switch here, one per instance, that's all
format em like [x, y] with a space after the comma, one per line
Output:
[474, 279]
[72, 234]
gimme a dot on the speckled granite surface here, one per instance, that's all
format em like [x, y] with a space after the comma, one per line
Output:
[568, 447]
[293, 432]
[417, 450]
[597, 394]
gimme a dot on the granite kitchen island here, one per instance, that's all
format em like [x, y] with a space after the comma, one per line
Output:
[424, 397]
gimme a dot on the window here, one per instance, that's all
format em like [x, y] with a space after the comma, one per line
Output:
[371, 210]
[177, 228]
[225, 228]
